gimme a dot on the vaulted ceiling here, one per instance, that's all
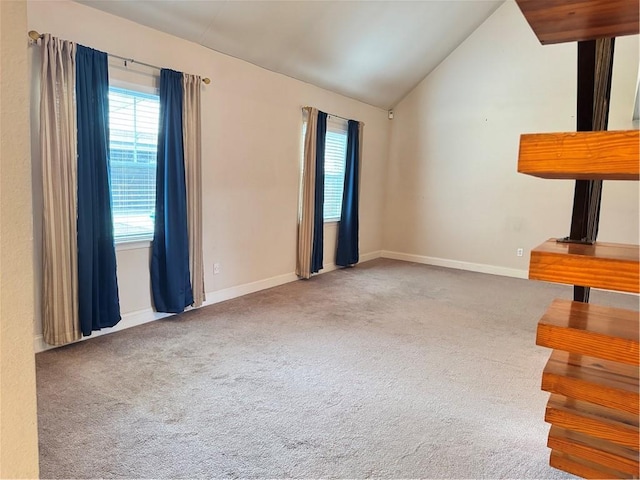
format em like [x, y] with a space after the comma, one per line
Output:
[373, 51]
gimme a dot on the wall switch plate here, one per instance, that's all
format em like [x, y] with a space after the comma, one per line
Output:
[216, 268]
[520, 252]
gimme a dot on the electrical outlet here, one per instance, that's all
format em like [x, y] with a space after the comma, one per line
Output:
[520, 252]
[216, 268]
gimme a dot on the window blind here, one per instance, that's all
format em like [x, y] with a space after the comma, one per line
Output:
[133, 125]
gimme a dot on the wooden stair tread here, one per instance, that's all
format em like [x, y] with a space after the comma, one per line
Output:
[599, 451]
[588, 329]
[558, 21]
[583, 468]
[592, 410]
[612, 266]
[610, 384]
[577, 416]
[620, 372]
[604, 155]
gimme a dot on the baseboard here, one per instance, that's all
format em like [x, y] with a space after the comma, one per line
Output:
[329, 267]
[370, 256]
[140, 317]
[247, 288]
[445, 262]
[132, 319]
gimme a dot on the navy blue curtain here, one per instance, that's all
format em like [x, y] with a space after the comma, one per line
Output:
[318, 217]
[98, 303]
[347, 253]
[170, 278]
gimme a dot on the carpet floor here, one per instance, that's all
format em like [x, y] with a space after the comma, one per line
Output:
[387, 370]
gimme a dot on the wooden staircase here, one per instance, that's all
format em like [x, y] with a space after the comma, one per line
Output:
[593, 372]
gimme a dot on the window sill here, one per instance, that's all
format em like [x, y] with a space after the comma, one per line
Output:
[331, 221]
[137, 244]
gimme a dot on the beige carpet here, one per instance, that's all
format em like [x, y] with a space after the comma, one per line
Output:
[389, 370]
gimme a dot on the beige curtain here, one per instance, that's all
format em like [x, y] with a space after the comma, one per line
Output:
[58, 151]
[306, 207]
[192, 136]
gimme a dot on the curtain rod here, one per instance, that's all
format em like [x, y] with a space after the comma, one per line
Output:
[35, 36]
[331, 114]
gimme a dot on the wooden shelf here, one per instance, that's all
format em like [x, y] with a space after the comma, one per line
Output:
[602, 452]
[587, 329]
[608, 155]
[579, 417]
[610, 384]
[558, 21]
[611, 266]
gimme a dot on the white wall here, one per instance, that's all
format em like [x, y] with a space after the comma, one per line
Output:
[18, 422]
[453, 189]
[251, 123]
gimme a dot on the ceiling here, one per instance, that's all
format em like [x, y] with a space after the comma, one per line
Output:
[373, 51]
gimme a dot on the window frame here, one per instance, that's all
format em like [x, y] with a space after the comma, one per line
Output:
[339, 126]
[334, 125]
[141, 241]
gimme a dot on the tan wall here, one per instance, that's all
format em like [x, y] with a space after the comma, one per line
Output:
[453, 188]
[251, 150]
[18, 422]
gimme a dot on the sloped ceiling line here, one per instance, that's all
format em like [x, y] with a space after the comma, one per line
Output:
[372, 51]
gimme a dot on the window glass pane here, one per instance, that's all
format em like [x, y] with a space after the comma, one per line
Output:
[133, 125]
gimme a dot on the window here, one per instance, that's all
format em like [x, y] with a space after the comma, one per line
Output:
[335, 157]
[133, 125]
